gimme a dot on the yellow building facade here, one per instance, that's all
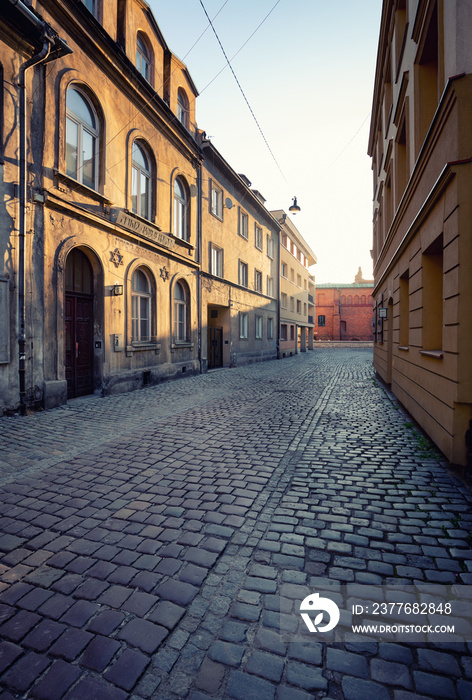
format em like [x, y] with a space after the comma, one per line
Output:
[297, 289]
[421, 148]
[239, 277]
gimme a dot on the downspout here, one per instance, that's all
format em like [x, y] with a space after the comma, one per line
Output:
[34, 60]
[199, 260]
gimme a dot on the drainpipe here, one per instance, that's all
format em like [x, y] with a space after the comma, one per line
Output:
[59, 48]
[34, 60]
[199, 260]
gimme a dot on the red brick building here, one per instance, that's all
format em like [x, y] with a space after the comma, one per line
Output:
[344, 311]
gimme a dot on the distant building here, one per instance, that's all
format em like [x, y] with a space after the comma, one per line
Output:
[421, 148]
[297, 289]
[344, 311]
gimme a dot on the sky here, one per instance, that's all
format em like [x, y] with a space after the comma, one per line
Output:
[308, 75]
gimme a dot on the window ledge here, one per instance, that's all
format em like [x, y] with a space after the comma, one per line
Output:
[178, 346]
[438, 354]
[79, 187]
[139, 347]
[405, 348]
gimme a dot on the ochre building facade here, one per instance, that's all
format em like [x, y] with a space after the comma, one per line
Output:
[421, 148]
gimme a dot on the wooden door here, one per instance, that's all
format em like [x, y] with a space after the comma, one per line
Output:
[79, 344]
[215, 347]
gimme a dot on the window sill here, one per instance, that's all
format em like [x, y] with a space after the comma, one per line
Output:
[405, 348]
[182, 345]
[139, 347]
[437, 354]
[217, 216]
[74, 184]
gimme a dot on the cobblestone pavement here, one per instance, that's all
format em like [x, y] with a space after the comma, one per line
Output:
[155, 544]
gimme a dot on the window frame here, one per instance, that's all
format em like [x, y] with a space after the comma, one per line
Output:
[321, 321]
[92, 131]
[141, 172]
[136, 309]
[181, 311]
[216, 207]
[243, 224]
[181, 209]
[217, 252]
[144, 57]
[258, 281]
[259, 327]
[243, 274]
[183, 108]
[243, 325]
[258, 236]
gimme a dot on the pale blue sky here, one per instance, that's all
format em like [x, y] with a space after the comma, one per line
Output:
[308, 75]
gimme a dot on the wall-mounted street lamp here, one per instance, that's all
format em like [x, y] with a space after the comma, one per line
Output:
[117, 290]
[294, 208]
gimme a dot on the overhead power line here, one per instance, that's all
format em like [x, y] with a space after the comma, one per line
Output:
[242, 91]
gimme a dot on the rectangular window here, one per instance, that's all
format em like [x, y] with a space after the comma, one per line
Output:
[270, 287]
[270, 328]
[243, 325]
[258, 327]
[433, 296]
[243, 224]
[292, 304]
[321, 321]
[292, 275]
[404, 338]
[304, 308]
[258, 237]
[243, 274]
[299, 306]
[257, 281]
[216, 201]
[283, 331]
[270, 247]
[299, 281]
[284, 270]
[216, 261]
[283, 300]
[284, 240]
[292, 332]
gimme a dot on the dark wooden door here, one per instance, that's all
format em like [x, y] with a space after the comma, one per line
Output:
[79, 338]
[215, 345]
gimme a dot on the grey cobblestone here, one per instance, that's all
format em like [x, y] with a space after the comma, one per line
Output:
[190, 538]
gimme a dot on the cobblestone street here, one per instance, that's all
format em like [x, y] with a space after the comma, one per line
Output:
[152, 544]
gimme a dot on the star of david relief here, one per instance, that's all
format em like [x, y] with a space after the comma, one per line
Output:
[116, 258]
[164, 273]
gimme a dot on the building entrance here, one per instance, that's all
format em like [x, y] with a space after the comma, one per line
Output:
[79, 325]
[215, 347]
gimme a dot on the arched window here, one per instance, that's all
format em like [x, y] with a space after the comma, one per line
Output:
[181, 312]
[183, 108]
[82, 139]
[181, 227]
[140, 306]
[140, 182]
[343, 299]
[143, 57]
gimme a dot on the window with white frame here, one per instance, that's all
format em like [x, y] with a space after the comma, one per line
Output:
[143, 57]
[270, 287]
[270, 328]
[258, 280]
[243, 325]
[216, 201]
[258, 327]
[181, 315]
[283, 300]
[243, 224]
[270, 247]
[183, 110]
[258, 236]
[181, 227]
[216, 261]
[82, 139]
[243, 274]
[284, 270]
[140, 306]
[140, 182]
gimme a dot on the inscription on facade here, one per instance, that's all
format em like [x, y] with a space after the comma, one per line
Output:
[137, 226]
